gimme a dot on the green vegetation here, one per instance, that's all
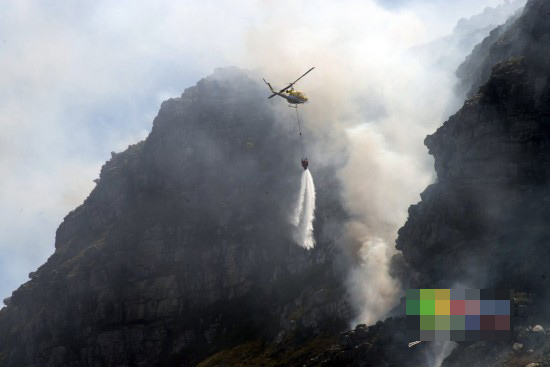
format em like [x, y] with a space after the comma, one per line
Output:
[515, 61]
[258, 353]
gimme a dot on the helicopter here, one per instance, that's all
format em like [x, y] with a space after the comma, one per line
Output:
[292, 96]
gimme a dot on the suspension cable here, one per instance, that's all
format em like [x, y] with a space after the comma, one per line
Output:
[300, 131]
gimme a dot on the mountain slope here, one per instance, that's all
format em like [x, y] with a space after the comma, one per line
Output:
[484, 223]
[185, 246]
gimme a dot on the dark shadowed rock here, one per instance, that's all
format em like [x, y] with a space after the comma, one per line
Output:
[184, 247]
[183, 253]
[484, 222]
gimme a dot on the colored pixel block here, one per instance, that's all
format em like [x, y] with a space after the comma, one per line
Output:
[459, 314]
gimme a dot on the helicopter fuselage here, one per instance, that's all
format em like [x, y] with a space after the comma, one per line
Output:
[292, 96]
[292, 99]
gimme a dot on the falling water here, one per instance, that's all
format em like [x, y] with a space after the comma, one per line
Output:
[298, 210]
[304, 212]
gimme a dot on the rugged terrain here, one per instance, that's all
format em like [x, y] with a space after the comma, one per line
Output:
[185, 247]
[484, 223]
[183, 254]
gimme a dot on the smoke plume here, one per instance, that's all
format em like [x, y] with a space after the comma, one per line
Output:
[372, 101]
[374, 96]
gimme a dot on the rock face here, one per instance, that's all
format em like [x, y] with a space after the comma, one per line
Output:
[447, 52]
[484, 223]
[523, 36]
[185, 247]
[376, 345]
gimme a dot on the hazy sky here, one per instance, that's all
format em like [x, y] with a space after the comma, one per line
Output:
[81, 79]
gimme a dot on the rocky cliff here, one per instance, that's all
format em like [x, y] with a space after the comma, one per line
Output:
[183, 254]
[184, 247]
[485, 222]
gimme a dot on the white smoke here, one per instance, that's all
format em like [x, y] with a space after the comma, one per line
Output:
[438, 351]
[304, 212]
[364, 95]
[375, 97]
[375, 289]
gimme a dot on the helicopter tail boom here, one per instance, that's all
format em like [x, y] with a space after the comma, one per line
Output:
[271, 89]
